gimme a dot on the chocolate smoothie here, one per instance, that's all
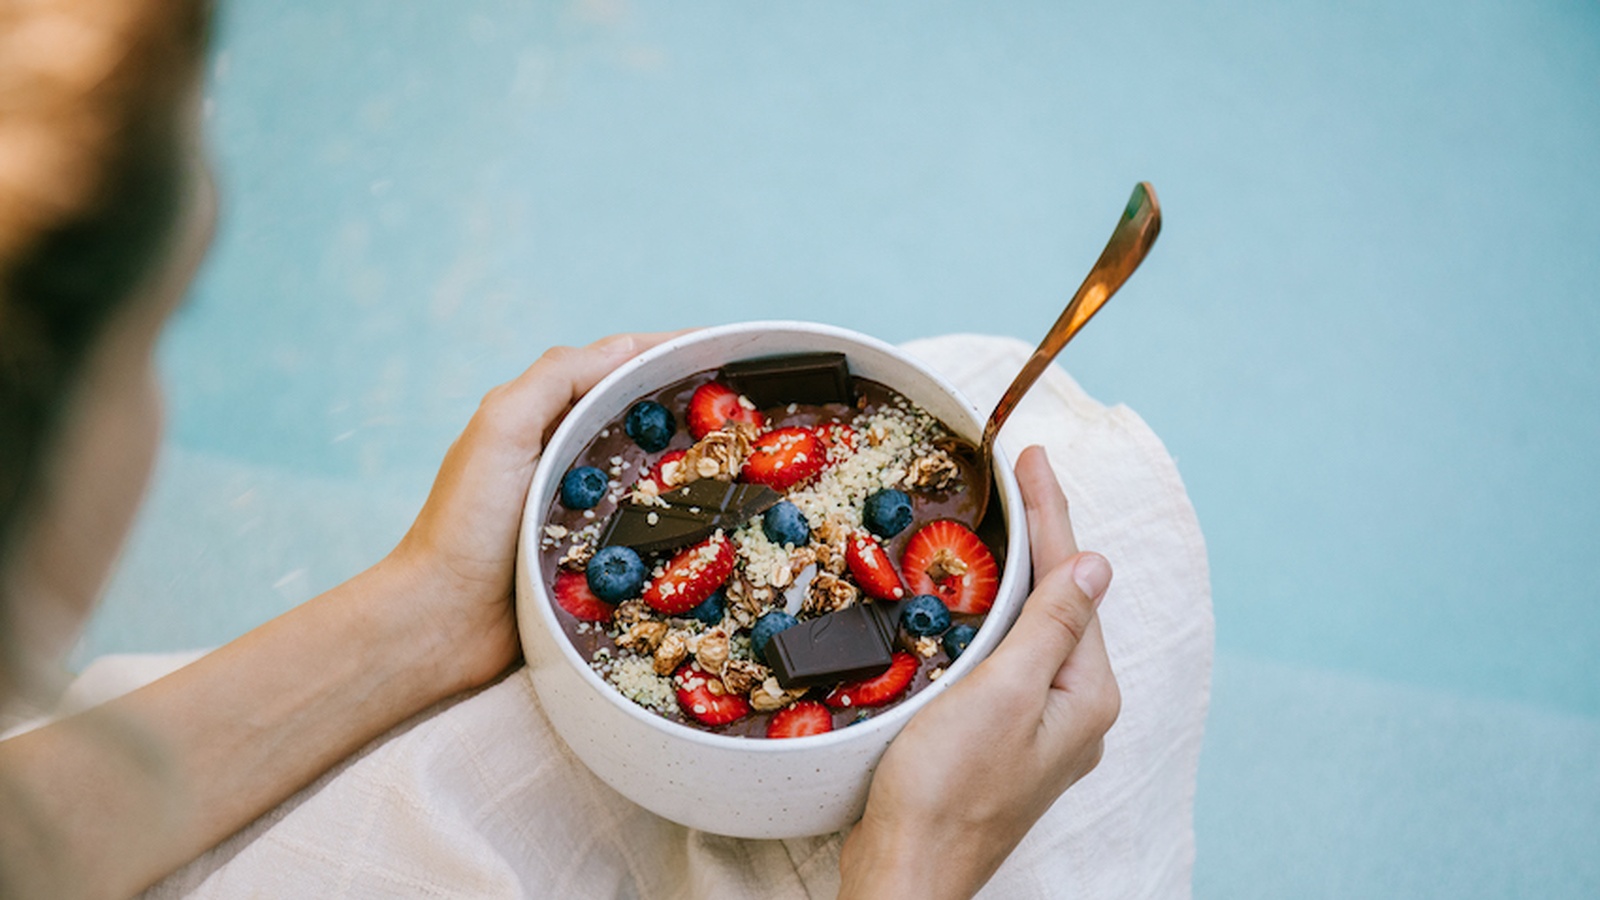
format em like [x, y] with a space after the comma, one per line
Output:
[874, 440]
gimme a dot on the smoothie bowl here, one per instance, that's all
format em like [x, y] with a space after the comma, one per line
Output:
[748, 556]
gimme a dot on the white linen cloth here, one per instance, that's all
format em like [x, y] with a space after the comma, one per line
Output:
[479, 798]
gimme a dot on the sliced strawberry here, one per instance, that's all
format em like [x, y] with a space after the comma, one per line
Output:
[783, 458]
[947, 560]
[573, 595]
[692, 576]
[704, 699]
[652, 473]
[870, 567]
[879, 689]
[714, 405]
[838, 440]
[799, 720]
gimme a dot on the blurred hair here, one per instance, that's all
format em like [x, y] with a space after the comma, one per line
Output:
[93, 100]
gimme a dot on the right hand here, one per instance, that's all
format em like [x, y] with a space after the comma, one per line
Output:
[971, 773]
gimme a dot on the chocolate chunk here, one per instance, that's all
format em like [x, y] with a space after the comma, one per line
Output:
[854, 643]
[692, 513]
[811, 378]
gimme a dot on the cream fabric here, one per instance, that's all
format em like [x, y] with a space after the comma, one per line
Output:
[478, 798]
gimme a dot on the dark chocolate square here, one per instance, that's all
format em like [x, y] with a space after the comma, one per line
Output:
[810, 378]
[854, 643]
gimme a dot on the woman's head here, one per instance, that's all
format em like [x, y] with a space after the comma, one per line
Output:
[98, 187]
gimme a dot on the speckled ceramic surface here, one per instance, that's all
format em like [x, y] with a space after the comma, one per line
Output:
[735, 786]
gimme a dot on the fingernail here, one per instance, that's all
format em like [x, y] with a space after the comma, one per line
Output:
[1092, 574]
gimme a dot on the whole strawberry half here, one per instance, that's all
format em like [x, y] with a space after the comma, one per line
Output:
[783, 458]
[799, 720]
[714, 405]
[879, 689]
[691, 576]
[870, 567]
[573, 595]
[947, 560]
[703, 698]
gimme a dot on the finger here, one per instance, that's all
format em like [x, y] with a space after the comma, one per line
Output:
[542, 394]
[1055, 619]
[1049, 527]
[1089, 662]
[1085, 697]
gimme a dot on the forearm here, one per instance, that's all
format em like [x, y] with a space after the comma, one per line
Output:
[134, 789]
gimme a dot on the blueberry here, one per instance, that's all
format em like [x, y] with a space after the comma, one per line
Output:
[786, 524]
[651, 425]
[767, 626]
[887, 513]
[615, 574]
[957, 639]
[711, 609]
[925, 615]
[583, 487]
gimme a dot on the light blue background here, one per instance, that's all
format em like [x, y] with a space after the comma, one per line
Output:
[1369, 332]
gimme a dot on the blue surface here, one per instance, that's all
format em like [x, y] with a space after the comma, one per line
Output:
[1369, 332]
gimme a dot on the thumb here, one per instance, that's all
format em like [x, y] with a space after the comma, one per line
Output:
[1054, 618]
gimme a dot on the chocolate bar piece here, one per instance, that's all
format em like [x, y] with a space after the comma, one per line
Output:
[811, 378]
[854, 643]
[691, 513]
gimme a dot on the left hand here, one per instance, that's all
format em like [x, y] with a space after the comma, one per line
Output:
[459, 554]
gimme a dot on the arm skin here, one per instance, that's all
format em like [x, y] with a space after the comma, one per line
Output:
[105, 803]
[971, 773]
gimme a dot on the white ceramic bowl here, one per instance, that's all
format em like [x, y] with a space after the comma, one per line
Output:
[743, 787]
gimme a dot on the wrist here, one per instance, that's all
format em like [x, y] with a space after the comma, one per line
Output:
[879, 859]
[452, 639]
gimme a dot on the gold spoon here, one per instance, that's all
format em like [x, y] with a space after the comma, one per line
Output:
[1134, 235]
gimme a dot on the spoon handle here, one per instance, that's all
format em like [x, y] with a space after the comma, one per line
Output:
[1134, 235]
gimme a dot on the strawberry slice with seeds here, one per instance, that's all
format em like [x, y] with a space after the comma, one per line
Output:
[870, 567]
[714, 405]
[652, 474]
[947, 560]
[691, 576]
[573, 595]
[703, 698]
[783, 458]
[838, 440]
[801, 719]
[879, 689]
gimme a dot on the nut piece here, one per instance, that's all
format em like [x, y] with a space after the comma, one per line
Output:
[769, 695]
[643, 638]
[711, 650]
[630, 613]
[674, 648]
[744, 607]
[828, 593]
[946, 564]
[827, 542]
[577, 555]
[934, 472]
[743, 675]
[926, 647]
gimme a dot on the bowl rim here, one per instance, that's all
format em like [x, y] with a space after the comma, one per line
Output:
[542, 607]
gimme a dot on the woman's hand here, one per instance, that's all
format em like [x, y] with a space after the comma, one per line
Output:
[460, 553]
[972, 772]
